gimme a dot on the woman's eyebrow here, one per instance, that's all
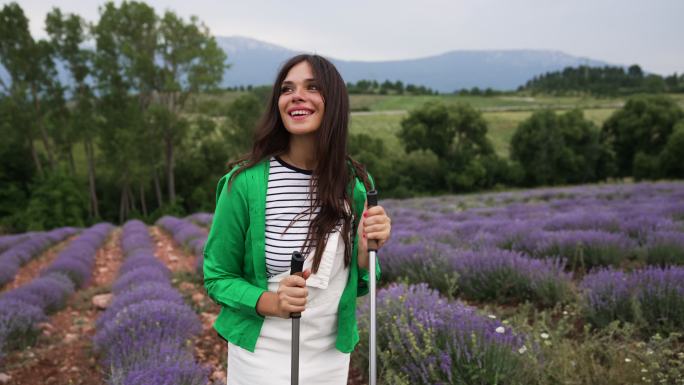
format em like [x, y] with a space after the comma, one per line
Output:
[305, 80]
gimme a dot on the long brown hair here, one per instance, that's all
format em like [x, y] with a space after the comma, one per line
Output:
[272, 138]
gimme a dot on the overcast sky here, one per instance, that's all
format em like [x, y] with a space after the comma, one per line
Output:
[650, 33]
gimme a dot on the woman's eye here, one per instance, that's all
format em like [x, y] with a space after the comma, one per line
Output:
[313, 87]
[285, 89]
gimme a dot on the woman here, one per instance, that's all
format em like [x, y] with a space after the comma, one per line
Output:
[298, 189]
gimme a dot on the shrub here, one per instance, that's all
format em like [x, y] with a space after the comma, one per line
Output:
[424, 339]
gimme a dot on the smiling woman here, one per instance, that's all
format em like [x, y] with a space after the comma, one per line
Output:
[297, 190]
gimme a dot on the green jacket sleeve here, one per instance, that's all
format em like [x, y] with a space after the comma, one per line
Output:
[364, 275]
[224, 252]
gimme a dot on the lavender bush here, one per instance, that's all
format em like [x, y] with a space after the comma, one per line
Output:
[18, 323]
[664, 248]
[425, 339]
[187, 234]
[585, 249]
[22, 248]
[653, 298]
[202, 219]
[508, 277]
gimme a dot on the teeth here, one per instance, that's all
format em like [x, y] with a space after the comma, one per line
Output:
[300, 112]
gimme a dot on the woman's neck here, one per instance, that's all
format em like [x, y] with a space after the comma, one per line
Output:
[302, 152]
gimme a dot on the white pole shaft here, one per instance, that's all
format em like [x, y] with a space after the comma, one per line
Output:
[372, 375]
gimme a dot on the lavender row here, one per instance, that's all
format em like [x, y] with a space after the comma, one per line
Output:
[24, 247]
[485, 274]
[7, 241]
[652, 298]
[644, 225]
[187, 234]
[202, 219]
[23, 308]
[424, 339]
[143, 335]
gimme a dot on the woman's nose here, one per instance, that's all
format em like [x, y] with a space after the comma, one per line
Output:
[297, 94]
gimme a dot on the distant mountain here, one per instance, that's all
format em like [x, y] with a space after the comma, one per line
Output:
[256, 62]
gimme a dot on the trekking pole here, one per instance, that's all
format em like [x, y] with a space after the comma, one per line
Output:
[296, 266]
[372, 198]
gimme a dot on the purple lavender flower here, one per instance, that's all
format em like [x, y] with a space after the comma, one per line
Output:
[185, 373]
[137, 277]
[146, 323]
[505, 276]
[652, 297]
[18, 323]
[665, 248]
[442, 340]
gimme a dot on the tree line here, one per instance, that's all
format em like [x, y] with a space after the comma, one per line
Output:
[372, 87]
[447, 149]
[603, 81]
[122, 104]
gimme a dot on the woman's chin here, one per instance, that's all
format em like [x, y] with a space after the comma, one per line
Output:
[295, 129]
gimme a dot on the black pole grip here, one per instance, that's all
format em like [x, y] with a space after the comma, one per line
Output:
[296, 266]
[372, 200]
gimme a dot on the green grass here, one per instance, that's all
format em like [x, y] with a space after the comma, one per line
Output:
[501, 124]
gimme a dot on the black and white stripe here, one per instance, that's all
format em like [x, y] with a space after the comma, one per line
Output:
[287, 196]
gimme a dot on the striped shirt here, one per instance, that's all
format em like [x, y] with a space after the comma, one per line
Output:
[287, 196]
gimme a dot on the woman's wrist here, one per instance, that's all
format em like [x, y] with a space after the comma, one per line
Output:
[267, 304]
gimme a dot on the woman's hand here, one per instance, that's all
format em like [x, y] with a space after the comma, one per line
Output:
[290, 297]
[375, 226]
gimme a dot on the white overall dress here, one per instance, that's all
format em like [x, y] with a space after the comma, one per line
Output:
[320, 363]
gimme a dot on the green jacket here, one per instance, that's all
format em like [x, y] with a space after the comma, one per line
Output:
[235, 265]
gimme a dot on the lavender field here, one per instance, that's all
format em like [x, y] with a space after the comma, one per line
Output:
[581, 285]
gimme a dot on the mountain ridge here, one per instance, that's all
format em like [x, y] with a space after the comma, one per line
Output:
[256, 62]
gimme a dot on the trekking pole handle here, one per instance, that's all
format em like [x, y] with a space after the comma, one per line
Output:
[296, 266]
[372, 200]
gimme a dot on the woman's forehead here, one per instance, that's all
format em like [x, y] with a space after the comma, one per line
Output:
[300, 72]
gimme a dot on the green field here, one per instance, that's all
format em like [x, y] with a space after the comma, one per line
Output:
[381, 115]
[501, 124]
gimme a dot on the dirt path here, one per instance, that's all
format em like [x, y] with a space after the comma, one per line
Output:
[63, 353]
[209, 348]
[31, 270]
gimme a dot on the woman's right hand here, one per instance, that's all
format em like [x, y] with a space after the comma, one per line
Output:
[290, 297]
[292, 293]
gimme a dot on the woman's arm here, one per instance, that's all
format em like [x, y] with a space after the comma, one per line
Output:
[224, 251]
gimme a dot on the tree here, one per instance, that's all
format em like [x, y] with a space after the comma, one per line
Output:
[191, 61]
[448, 131]
[242, 116]
[68, 34]
[456, 134]
[644, 125]
[672, 157]
[31, 70]
[555, 149]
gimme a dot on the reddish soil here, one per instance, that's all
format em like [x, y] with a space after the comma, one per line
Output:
[63, 353]
[31, 270]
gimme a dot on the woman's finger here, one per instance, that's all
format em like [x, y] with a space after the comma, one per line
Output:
[375, 228]
[298, 292]
[295, 301]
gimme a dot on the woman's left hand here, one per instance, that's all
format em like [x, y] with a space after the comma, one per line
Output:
[375, 226]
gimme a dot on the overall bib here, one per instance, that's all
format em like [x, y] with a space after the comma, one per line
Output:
[319, 361]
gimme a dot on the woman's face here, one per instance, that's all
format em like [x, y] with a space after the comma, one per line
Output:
[300, 103]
